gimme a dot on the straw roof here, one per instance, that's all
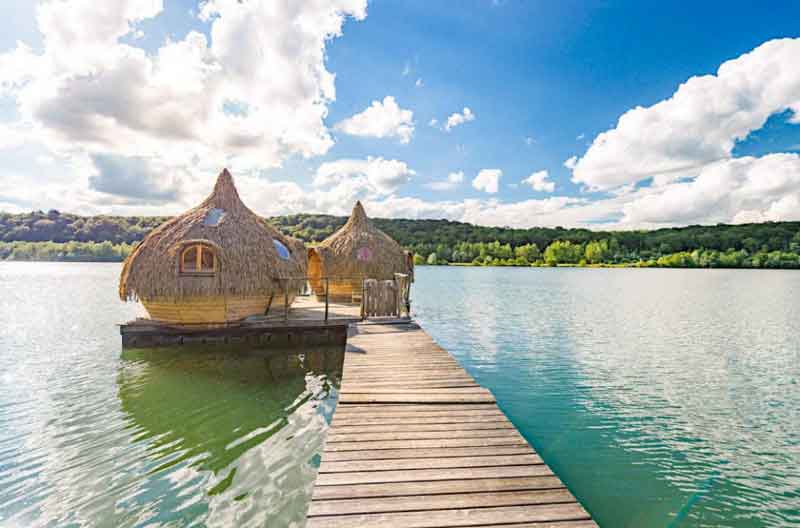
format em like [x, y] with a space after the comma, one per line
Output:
[359, 249]
[247, 259]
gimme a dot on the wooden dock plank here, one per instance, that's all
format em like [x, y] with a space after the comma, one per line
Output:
[433, 487]
[391, 427]
[430, 463]
[403, 434]
[411, 475]
[417, 397]
[454, 517]
[431, 452]
[464, 421]
[435, 442]
[416, 442]
[439, 502]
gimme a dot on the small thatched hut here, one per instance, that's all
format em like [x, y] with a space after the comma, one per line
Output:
[357, 251]
[216, 263]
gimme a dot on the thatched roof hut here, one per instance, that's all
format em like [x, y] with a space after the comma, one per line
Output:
[217, 262]
[357, 251]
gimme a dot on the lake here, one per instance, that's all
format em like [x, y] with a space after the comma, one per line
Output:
[661, 397]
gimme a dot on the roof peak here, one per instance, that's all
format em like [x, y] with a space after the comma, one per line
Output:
[358, 216]
[224, 195]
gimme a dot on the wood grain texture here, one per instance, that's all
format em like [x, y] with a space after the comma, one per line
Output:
[416, 442]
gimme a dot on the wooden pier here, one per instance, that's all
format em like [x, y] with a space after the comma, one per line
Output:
[416, 443]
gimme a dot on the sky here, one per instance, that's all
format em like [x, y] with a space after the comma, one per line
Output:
[607, 115]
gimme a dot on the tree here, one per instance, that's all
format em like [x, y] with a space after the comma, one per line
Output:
[432, 259]
[527, 253]
[563, 252]
[597, 251]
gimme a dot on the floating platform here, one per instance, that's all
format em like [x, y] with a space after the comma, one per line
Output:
[415, 442]
[307, 322]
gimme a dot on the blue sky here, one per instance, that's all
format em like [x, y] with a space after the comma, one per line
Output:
[545, 81]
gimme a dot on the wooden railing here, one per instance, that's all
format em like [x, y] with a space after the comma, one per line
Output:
[377, 298]
[387, 298]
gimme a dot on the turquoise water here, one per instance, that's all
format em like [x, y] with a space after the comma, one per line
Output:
[663, 398]
[91, 436]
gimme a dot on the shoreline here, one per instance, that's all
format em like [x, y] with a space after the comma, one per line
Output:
[638, 265]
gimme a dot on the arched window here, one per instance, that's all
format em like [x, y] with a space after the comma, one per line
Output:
[198, 258]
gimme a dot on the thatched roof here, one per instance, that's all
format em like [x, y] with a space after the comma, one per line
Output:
[359, 249]
[249, 263]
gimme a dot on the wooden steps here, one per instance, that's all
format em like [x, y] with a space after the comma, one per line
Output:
[416, 443]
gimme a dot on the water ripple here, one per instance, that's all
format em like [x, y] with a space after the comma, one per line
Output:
[90, 437]
[671, 392]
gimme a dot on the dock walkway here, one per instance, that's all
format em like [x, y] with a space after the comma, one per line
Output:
[416, 443]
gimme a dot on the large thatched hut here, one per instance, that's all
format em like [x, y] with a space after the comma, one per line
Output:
[216, 263]
[356, 252]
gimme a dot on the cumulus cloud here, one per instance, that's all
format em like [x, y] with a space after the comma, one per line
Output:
[453, 180]
[699, 124]
[738, 190]
[539, 181]
[488, 180]
[346, 180]
[457, 119]
[134, 180]
[381, 119]
[87, 89]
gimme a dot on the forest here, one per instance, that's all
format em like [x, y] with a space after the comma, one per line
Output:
[54, 235]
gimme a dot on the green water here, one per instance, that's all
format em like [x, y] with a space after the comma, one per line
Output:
[663, 398]
[91, 436]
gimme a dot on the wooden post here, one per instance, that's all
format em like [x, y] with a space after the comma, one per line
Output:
[286, 301]
[363, 298]
[327, 294]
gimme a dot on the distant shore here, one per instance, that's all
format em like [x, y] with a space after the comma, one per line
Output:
[108, 252]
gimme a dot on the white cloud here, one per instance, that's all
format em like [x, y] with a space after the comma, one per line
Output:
[457, 119]
[86, 90]
[700, 123]
[433, 122]
[455, 177]
[135, 179]
[453, 180]
[365, 177]
[539, 182]
[419, 83]
[488, 180]
[735, 190]
[529, 141]
[381, 119]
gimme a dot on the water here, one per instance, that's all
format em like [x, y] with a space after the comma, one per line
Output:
[663, 398]
[91, 436]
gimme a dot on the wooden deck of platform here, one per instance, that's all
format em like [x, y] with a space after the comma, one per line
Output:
[305, 323]
[416, 443]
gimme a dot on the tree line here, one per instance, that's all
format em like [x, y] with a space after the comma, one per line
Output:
[47, 236]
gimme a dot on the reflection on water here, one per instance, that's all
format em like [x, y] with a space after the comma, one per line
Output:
[177, 437]
[662, 397]
[239, 429]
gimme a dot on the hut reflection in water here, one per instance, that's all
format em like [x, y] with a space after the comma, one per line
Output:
[245, 426]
